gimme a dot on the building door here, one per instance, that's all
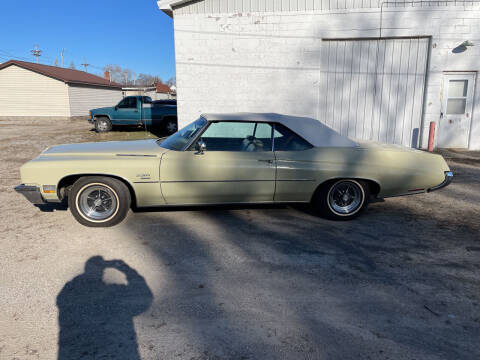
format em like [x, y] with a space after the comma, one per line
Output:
[373, 89]
[456, 117]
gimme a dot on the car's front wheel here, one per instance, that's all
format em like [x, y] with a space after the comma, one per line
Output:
[99, 201]
[342, 199]
[103, 124]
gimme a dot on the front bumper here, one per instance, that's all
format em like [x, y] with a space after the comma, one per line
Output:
[446, 182]
[32, 193]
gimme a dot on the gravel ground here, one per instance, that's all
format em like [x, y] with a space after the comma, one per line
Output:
[401, 282]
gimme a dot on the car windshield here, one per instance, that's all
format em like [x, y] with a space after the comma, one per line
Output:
[178, 140]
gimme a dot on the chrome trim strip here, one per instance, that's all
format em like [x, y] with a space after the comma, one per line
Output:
[136, 155]
[226, 204]
[446, 182]
[210, 181]
[146, 182]
[226, 181]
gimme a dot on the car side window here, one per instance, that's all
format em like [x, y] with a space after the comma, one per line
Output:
[238, 136]
[286, 140]
[123, 104]
[128, 103]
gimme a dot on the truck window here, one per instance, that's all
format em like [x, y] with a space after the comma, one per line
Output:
[128, 103]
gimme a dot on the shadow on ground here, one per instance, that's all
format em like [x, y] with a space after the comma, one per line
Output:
[272, 282]
[96, 318]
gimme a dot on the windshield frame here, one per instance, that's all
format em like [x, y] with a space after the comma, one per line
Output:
[191, 140]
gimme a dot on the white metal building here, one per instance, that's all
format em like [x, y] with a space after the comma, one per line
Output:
[371, 69]
[29, 89]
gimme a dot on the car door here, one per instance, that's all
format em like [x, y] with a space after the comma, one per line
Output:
[126, 112]
[238, 166]
[296, 169]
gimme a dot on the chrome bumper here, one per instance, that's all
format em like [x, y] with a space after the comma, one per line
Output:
[446, 182]
[32, 193]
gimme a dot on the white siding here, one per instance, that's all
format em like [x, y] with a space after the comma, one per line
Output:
[26, 93]
[272, 62]
[85, 98]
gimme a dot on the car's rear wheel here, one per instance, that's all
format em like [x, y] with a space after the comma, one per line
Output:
[99, 201]
[342, 199]
[103, 124]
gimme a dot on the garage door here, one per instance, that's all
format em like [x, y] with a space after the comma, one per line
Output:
[373, 89]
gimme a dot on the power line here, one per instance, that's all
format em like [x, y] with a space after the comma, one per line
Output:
[36, 52]
[85, 64]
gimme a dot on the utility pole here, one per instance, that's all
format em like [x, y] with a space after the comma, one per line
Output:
[85, 64]
[61, 54]
[36, 52]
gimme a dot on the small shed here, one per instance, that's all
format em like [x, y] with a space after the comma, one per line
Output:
[30, 89]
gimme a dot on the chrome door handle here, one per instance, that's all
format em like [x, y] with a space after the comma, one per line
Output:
[267, 161]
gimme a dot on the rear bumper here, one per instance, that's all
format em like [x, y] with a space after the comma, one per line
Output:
[446, 182]
[32, 193]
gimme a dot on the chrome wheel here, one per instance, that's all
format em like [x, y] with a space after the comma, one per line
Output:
[102, 125]
[346, 197]
[97, 202]
[171, 127]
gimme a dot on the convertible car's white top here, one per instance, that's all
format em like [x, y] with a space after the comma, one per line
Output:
[315, 132]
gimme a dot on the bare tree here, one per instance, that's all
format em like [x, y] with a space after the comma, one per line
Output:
[147, 80]
[72, 65]
[172, 81]
[115, 72]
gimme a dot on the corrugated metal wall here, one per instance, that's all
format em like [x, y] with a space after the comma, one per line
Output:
[234, 6]
[85, 98]
[238, 6]
[373, 89]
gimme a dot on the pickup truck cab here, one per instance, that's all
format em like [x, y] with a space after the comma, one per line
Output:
[137, 111]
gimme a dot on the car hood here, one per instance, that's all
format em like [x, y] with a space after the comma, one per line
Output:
[103, 109]
[138, 147]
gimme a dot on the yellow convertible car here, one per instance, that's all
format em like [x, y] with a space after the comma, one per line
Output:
[239, 158]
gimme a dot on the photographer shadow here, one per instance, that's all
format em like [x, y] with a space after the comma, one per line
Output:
[96, 318]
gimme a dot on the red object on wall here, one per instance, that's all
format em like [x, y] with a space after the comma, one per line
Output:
[431, 136]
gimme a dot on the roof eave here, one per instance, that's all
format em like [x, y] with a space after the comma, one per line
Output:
[110, 86]
[167, 5]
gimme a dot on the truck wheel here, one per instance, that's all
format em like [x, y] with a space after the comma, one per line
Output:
[343, 199]
[170, 125]
[103, 124]
[99, 201]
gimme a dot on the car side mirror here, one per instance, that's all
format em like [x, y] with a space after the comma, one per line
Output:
[201, 147]
[116, 108]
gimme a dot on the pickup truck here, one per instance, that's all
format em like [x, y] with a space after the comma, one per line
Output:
[138, 111]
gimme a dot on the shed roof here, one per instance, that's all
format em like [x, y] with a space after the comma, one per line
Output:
[312, 130]
[69, 76]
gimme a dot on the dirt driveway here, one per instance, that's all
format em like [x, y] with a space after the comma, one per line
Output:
[401, 282]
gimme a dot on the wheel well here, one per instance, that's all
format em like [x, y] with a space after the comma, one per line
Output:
[168, 117]
[67, 182]
[373, 185]
[100, 116]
